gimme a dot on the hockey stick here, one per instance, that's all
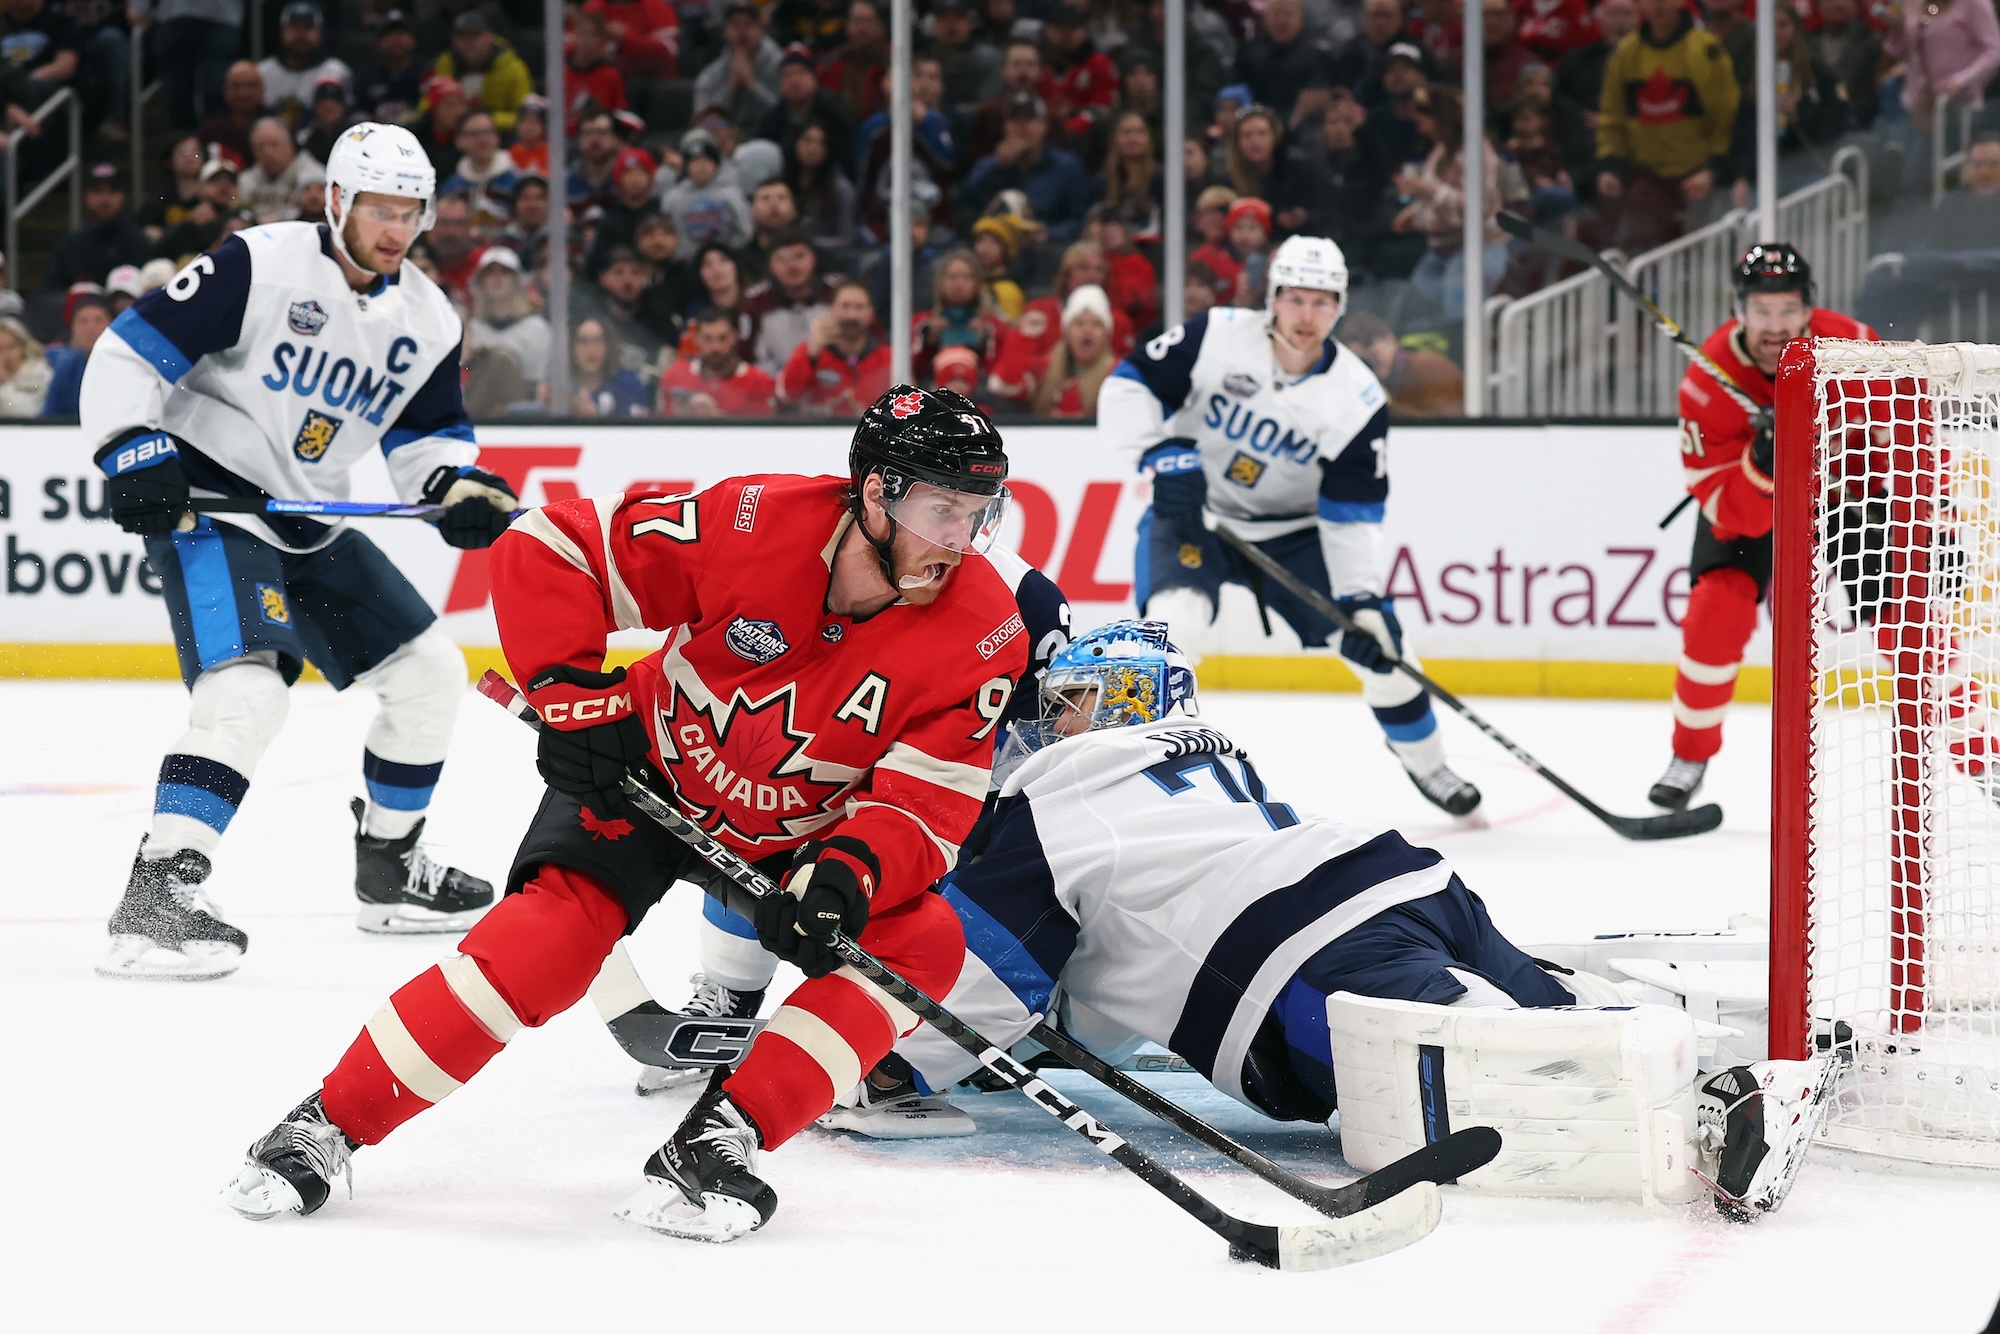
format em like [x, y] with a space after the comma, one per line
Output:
[1674, 824]
[1395, 1223]
[337, 509]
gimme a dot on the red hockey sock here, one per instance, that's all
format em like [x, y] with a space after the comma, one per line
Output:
[832, 1030]
[529, 959]
[1721, 616]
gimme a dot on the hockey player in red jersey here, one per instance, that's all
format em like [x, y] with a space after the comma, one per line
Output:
[839, 658]
[1728, 460]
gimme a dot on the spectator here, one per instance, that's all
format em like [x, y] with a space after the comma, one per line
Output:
[823, 196]
[1020, 72]
[24, 371]
[802, 102]
[1845, 44]
[842, 366]
[1438, 207]
[1950, 48]
[705, 208]
[853, 72]
[40, 52]
[193, 43]
[818, 25]
[1079, 82]
[1343, 190]
[1139, 84]
[773, 214]
[1053, 181]
[452, 245]
[601, 384]
[1133, 286]
[1390, 132]
[996, 244]
[670, 289]
[1554, 28]
[270, 189]
[329, 119]
[104, 47]
[784, 307]
[122, 287]
[1534, 148]
[503, 318]
[446, 105]
[961, 315]
[957, 369]
[300, 65]
[109, 236]
[716, 381]
[484, 174]
[614, 302]
[526, 232]
[202, 228]
[720, 281]
[1203, 291]
[632, 202]
[1210, 55]
[242, 107]
[1725, 19]
[1253, 153]
[88, 316]
[1249, 222]
[1358, 65]
[647, 33]
[1065, 381]
[530, 150]
[591, 79]
[494, 77]
[10, 300]
[744, 78]
[597, 153]
[934, 151]
[1580, 81]
[1812, 111]
[925, 247]
[1211, 227]
[1664, 124]
[1282, 62]
[1132, 177]
[1419, 382]
[1040, 326]
[1964, 219]
[312, 200]
[175, 202]
[970, 64]
[1506, 54]
[391, 87]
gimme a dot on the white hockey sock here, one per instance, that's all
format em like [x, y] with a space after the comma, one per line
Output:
[234, 712]
[734, 961]
[419, 687]
[1190, 618]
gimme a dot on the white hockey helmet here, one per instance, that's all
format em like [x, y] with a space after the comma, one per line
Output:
[373, 158]
[1306, 261]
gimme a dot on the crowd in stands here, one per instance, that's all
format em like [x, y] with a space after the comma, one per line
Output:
[727, 187]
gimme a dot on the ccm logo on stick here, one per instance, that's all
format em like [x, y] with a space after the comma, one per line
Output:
[586, 710]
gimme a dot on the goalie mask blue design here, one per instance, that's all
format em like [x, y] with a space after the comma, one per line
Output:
[1123, 673]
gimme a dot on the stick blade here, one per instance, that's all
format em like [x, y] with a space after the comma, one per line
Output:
[1458, 1154]
[1674, 824]
[1407, 1217]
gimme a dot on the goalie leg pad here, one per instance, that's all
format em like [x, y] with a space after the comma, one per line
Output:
[1721, 978]
[1590, 1103]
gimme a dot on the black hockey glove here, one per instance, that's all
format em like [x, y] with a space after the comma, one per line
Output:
[1180, 487]
[1377, 636]
[590, 735]
[477, 506]
[826, 893]
[1764, 452]
[145, 489]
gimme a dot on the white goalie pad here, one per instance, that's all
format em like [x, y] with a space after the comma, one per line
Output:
[1718, 977]
[1591, 1103]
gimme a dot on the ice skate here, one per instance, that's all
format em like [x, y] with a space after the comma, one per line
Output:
[1447, 791]
[711, 1000]
[1678, 784]
[291, 1170]
[1756, 1123]
[165, 927]
[404, 892]
[898, 1111]
[699, 1184]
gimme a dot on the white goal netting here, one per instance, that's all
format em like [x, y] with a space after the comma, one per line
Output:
[1902, 784]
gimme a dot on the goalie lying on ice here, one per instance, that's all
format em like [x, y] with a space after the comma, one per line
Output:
[1139, 882]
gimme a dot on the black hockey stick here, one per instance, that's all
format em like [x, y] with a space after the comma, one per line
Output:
[1395, 1223]
[1674, 824]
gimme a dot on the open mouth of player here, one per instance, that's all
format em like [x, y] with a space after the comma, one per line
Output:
[930, 574]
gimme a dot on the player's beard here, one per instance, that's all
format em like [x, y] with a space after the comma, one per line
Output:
[371, 258]
[929, 573]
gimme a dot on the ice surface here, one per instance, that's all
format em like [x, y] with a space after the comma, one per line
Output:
[126, 1105]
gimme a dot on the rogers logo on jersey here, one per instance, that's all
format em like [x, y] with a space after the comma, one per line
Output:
[746, 508]
[755, 641]
[906, 405]
[998, 640]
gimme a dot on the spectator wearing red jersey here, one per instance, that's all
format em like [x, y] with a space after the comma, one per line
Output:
[957, 369]
[1078, 81]
[1066, 381]
[716, 381]
[854, 70]
[646, 36]
[1211, 223]
[1083, 265]
[591, 78]
[842, 366]
[962, 314]
[1554, 28]
[1506, 54]
[1133, 286]
[445, 105]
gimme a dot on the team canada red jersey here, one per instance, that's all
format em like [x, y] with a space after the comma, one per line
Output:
[1734, 494]
[775, 720]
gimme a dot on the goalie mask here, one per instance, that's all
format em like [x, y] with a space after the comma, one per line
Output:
[1115, 676]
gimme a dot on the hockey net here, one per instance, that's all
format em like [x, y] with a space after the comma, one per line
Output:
[1886, 722]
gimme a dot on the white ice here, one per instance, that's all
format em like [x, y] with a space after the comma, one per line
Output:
[126, 1105]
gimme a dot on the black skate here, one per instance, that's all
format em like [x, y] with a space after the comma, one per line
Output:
[291, 1170]
[646, 1032]
[404, 892]
[1447, 791]
[699, 1184]
[1678, 784]
[165, 927]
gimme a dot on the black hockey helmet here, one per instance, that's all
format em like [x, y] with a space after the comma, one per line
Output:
[1773, 266]
[939, 437]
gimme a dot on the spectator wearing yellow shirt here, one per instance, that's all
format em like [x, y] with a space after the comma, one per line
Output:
[1664, 125]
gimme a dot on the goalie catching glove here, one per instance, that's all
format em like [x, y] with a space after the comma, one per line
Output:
[478, 506]
[590, 737]
[826, 894]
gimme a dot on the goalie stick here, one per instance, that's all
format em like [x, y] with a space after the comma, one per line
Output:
[1398, 1220]
[1674, 824]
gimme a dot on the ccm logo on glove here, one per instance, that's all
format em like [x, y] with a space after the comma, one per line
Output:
[586, 710]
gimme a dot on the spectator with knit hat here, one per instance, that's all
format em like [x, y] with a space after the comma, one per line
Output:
[704, 206]
[1249, 229]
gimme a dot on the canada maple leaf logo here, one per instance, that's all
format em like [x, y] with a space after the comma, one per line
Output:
[906, 405]
[611, 830]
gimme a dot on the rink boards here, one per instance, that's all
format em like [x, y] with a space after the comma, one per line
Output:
[1524, 559]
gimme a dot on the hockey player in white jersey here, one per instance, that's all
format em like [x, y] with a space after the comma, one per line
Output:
[268, 367]
[1261, 420]
[1137, 880]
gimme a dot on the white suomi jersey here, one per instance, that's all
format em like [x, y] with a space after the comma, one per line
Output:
[1277, 455]
[1147, 870]
[280, 377]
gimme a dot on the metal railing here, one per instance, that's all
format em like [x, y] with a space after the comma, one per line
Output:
[70, 169]
[1578, 349]
[1965, 304]
[138, 96]
[1943, 164]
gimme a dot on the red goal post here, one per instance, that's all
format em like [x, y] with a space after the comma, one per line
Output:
[1885, 828]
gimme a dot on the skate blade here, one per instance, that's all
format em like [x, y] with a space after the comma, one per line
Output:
[924, 1119]
[659, 1206]
[660, 1078]
[259, 1194]
[403, 919]
[141, 958]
